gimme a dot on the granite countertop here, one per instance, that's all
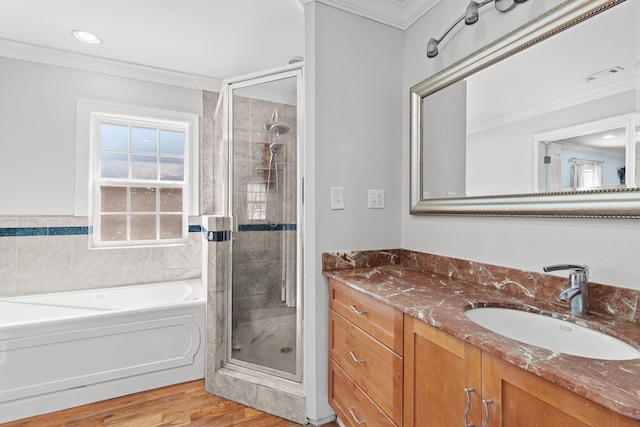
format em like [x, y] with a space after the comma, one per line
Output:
[440, 301]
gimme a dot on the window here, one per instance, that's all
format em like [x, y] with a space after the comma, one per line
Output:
[137, 173]
[141, 184]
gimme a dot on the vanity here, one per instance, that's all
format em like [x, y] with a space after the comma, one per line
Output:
[402, 352]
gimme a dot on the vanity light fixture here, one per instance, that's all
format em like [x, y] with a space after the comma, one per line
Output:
[608, 136]
[86, 36]
[470, 17]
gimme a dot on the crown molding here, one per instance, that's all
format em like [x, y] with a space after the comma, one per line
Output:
[61, 58]
[400, 14]
[614, 88]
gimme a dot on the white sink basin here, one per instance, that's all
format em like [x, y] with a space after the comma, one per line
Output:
[553, 334]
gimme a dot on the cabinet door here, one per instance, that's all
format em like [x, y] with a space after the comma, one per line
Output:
[522, 399]
[438, 369]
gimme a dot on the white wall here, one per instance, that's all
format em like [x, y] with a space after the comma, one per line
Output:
[353, 140]
[38, 122]
[499, 159]
[609, 247]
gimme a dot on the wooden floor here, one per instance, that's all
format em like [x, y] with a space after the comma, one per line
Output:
[185, 404]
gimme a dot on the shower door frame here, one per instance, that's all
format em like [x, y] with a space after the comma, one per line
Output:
[293, 70]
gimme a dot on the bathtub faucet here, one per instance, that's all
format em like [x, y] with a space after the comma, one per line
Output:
[577, 294]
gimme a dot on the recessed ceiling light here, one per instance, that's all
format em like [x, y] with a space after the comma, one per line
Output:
[86, 36]
[610, 136]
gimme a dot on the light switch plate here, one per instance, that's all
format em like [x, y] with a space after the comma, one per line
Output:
[337, 198]
[376, 199]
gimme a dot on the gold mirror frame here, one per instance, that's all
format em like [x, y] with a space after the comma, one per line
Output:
[606, 203]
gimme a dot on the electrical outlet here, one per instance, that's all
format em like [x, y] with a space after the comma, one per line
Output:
[376, 199]
[337, 198]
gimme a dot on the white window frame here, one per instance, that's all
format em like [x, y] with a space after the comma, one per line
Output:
[89, 116]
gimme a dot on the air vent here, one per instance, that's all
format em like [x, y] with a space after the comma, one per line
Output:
[604, 73]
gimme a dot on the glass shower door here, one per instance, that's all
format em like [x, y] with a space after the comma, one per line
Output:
[265, 324]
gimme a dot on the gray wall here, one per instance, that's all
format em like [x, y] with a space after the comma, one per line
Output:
[353, 139]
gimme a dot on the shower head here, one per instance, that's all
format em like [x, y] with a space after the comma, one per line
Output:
[274, 126]
[278, 129]
[274, 147]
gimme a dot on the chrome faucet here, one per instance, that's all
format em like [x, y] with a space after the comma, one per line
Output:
[577, 294]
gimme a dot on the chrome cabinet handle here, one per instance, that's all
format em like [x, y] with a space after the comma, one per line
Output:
[467, 391]
[485, 405]
[353, 356]
[354, 416]
[355, 310]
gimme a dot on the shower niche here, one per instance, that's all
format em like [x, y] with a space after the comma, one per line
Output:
[264, 307]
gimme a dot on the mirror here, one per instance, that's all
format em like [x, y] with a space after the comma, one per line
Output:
[506, 130]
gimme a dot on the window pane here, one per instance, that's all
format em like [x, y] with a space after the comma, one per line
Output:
[171, 226]
[171, 169]
[144, 167]
[143, 227]
[171, 142]
[113, 199]
[113, 228]
[144, 139]
[143, 199]
[114, 165]
[170, 200]
[114, 137]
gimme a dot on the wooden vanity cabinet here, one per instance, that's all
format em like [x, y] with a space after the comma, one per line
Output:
[520, 398]
[439, 367]
[438, 370]
[365, 358]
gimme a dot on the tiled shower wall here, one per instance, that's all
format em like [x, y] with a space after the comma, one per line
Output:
[50, 254]
[258, 247]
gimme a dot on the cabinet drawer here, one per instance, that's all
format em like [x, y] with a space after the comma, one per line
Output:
[371, 365]
[350, 403]
[380, 320]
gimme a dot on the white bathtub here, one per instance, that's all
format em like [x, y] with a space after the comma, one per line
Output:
[68, 349]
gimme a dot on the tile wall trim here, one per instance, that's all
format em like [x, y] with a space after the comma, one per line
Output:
[267, 227]
[218, 236]
[195, 228]
[59, 231]
[44, 231]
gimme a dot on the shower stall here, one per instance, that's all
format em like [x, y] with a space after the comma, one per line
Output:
[264, 303]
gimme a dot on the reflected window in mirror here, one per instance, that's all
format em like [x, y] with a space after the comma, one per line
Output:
[589, 156]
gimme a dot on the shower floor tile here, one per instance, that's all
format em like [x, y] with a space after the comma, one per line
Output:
[267, 342]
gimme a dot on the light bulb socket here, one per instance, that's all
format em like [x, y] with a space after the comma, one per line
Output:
[505, 6]
[432, 48]
[471, 14]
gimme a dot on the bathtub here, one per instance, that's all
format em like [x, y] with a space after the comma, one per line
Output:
[71, 348]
